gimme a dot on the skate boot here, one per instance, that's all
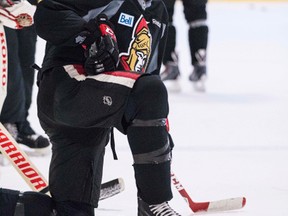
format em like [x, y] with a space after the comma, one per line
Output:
[35, 145]
[170, 76]
[12, 129]
[198, 78]
[171, 71]
[162, 209]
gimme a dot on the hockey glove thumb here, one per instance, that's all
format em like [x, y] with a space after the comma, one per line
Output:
[103, 54]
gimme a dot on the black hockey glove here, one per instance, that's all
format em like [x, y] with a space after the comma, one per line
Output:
[103, 54]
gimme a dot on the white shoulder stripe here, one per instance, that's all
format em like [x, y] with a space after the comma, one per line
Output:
[108, 78]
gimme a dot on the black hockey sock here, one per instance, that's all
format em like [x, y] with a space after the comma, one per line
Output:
[152, 154]
[198, 39]
[153, 182]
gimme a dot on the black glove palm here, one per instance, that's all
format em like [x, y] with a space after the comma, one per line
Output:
[103, 54]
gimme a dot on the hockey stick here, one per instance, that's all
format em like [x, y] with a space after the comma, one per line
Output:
[212, 206]
[28, 171]
[3, 66]
[10, 148]
[111, 188]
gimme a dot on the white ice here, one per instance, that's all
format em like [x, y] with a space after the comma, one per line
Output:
[230, 141]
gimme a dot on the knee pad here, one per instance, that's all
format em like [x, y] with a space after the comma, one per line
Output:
[150, 141]
[151, 147]
[148, 99]
[157, 156]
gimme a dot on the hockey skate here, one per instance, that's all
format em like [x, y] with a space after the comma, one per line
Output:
[170, 76]
[35, 145]
[162, 209]
[198, 78]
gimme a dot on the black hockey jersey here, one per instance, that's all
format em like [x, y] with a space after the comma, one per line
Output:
[141, 33]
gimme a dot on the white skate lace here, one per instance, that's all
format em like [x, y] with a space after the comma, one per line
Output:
[163, 209]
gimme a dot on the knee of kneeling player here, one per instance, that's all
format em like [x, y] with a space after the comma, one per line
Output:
[150, 95]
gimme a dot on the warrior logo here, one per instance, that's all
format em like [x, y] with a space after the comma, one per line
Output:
[139, 50]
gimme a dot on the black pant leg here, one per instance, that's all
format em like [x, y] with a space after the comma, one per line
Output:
[13, 107]
[171, 38]
[27, 38]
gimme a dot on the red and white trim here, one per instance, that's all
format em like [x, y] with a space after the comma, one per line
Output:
[208, 206]
[3, 66]
[123, 78]
[75, 71]
[10, 148]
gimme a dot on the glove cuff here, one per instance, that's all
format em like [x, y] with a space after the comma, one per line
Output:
[92, 32]
[100, 26]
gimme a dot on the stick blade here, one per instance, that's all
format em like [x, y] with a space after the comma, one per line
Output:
[111, 188]
[227, 204]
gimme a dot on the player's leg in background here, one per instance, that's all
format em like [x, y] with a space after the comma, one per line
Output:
[13, 107]
[31, 141]
[196, 16]
[170, 59]
[27, 47]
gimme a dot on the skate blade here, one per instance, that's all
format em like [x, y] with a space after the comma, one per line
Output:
[36, 151]
[199, 86]
[172, 85]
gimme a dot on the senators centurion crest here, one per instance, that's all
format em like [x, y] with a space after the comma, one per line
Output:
[139, 49]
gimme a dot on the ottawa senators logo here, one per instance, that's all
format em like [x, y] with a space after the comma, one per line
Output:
[24, 20]
[139, 49]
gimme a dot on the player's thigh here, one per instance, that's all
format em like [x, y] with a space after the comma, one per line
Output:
[90, 102]
[76, 166]
[195, 10]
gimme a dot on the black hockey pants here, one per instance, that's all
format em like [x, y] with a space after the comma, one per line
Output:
[77, 112]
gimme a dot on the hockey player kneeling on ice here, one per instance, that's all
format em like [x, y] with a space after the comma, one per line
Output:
[15, 203]
[101, 71]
